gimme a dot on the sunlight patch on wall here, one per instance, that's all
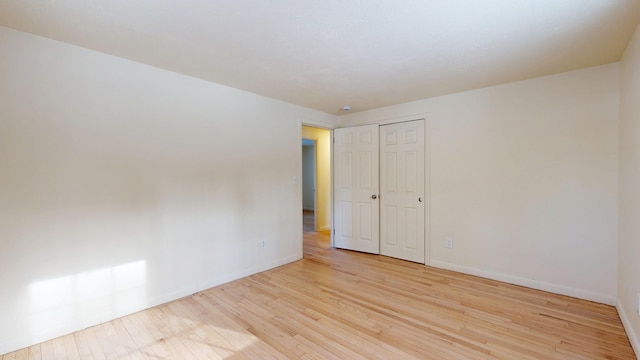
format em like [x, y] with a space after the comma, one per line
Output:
[87, 298]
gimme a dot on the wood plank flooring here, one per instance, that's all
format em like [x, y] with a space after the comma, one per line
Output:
[337, 304]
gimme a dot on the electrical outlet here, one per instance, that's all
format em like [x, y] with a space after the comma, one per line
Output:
[449, 243]
[263, 244]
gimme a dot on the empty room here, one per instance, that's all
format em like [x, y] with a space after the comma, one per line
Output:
[320, 179]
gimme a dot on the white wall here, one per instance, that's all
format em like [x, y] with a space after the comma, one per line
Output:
[308, 174]
[524, 178]
[629, 247]
[323, 165]
[123, 186]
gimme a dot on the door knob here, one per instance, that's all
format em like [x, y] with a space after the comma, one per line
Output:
[374, 196]
[419, 199]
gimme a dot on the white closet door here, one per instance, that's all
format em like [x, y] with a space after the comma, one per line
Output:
[402, 202]
[356, 166]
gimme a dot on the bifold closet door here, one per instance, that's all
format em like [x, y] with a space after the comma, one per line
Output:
[402, 182]
[356, 169]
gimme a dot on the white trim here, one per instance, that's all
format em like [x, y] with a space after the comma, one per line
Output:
[419, 116]
[317, 124]
[225, 278]
[219, 280]
[332, 222]
[633, 337]
[299, 210]
[530, 283]
[427, 189]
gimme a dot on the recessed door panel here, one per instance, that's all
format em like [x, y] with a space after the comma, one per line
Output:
[347, 165]
[345, 213]
[411, 228]
[364, 221]
[411, 171]
[390, 237]
[391, 174]
[365, 173]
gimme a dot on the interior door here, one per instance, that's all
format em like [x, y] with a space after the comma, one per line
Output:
[356, 166]
[402, 202]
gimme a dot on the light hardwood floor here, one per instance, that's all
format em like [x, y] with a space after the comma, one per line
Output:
[347, 305]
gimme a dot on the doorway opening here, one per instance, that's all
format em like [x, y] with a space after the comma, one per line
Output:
[309, 185]
[316, 183]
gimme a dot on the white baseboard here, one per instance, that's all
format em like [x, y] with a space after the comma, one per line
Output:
[219, 280]
[633, 337]
[530, 283]
[250, 271]
[324, 228]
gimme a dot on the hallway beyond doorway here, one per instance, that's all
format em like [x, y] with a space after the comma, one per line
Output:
[308, 222]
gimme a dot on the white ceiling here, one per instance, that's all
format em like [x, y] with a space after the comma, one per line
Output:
[326, 54]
